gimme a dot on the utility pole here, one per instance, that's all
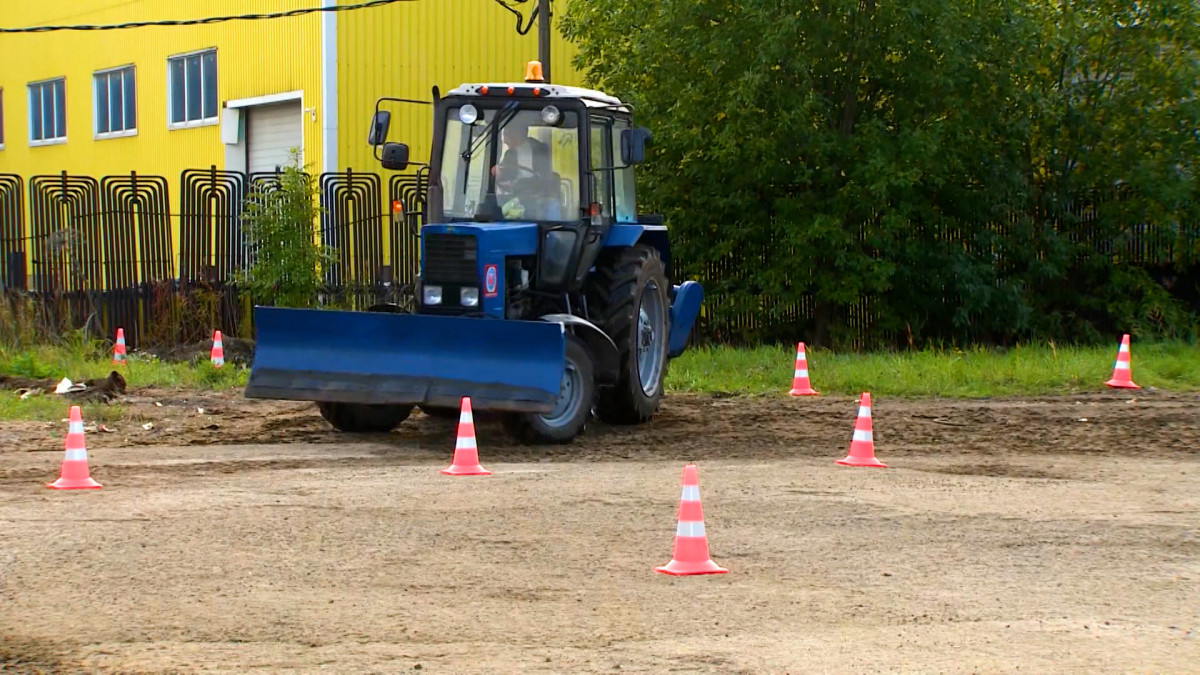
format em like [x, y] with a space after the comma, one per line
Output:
[543, 12]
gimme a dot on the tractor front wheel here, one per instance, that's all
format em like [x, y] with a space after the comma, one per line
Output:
[573, 407]
[441, 412]
[364, 418]
[629, 296]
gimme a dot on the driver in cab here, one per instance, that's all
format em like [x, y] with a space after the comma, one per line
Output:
[523, 175]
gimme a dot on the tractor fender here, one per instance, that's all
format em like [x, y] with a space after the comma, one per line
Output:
[624, 235]
[604, 350]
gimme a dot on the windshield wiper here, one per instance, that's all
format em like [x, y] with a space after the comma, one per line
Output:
[508, 112]
[509, 107]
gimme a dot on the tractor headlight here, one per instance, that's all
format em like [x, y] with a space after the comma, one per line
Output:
[431, 295]
[468, 114]
[469, 297]
[551, 115]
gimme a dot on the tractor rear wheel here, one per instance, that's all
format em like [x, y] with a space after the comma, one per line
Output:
[628, 298]
[364, 418]
[573, 407]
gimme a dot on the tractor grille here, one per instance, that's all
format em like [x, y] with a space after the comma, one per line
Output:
[450, 259]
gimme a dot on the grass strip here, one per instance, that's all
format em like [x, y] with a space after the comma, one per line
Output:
[1026, 370]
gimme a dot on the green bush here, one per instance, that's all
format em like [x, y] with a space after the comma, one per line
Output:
[281, 220]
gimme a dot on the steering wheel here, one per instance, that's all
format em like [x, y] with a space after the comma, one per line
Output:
[509, 175]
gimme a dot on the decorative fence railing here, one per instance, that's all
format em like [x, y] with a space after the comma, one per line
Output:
[122, 251]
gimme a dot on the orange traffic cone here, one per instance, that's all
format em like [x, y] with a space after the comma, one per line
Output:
[862, 446]
[690, 555]
[218, 351]
[1121, 375]
[74, 474]
[119, 349]
[800, 383]
[466, 450]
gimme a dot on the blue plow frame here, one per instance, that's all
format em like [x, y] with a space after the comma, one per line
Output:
[381, 358]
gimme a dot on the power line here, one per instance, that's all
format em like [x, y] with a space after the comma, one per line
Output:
[207, 20]
[520, 17]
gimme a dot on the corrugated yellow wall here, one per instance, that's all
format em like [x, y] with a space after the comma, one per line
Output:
[403, 50]
[254, 58]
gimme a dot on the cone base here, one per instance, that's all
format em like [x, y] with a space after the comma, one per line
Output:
[850, 460]
[1115, 384]
[456, 470]
[804, 392]
[74, 484]
[683, 569]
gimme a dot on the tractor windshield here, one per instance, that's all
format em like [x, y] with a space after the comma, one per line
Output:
[510, 164]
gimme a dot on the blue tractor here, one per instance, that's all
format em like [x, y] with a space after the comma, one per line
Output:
[542, 293]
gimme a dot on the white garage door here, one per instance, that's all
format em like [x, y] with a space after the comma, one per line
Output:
[271, 131]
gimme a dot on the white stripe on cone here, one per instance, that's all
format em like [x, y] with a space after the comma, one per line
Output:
[689, 529]
[1121, 365]
[802, 373]
[75, 428]
[466, 418]
[691, 493]
[1123, 349]
[76, 455]
[465, 443]
[860, 435]
[864, 411]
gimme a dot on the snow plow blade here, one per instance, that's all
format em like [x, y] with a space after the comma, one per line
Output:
[376, 357]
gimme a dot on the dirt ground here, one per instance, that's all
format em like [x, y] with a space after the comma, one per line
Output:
[1008, 535]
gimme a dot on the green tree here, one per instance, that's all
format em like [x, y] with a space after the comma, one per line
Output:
[902, 154]
[287, 259]
[1115, 149]
[817, 135]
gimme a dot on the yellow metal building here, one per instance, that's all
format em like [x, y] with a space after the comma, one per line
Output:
[236, 95]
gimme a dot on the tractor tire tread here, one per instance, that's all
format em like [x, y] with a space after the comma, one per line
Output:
[613, 290]
[361, 418]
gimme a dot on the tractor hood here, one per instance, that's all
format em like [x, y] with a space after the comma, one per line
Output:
[468, 259]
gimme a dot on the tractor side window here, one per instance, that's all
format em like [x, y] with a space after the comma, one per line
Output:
[601, 152]
[623, 179]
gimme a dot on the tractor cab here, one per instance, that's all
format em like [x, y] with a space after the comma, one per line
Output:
[528, 179]
[527, 152]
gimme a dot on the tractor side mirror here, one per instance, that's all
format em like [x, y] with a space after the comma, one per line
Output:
[380, 123]
[633, 145]
[395, 156]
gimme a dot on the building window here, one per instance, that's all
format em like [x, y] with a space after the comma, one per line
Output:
[192, 83]
[115, 103]
[48, 112]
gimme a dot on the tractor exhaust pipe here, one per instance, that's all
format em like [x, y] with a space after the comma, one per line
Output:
[543, 10]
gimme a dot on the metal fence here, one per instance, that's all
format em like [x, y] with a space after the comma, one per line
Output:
[114, 251]
[109, 252]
